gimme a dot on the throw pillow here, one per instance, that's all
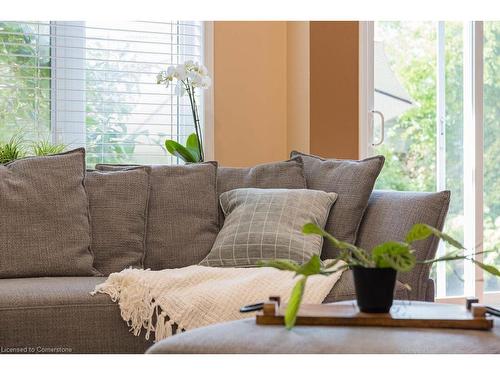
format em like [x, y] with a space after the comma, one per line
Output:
[264, 224]
[353, 181]
[279, 175]
[118, 211]
[391, 214]
[44, 221]
[182, 218]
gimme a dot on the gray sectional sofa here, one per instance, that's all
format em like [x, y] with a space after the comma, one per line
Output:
[47, 309]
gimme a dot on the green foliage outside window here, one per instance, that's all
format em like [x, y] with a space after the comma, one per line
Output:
[410, 146]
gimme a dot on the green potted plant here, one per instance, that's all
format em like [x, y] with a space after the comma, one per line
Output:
[11, 150]
[17, 148]
[189, 76]
[374, 272]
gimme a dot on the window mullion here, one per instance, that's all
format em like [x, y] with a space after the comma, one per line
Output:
[68, 83]
[441, 143]
[473, 154]
[479, 153]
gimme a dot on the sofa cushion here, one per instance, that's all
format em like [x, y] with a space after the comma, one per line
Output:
[353, 181]
[287, 174]
[264, 224]
[44, 220]
[183, 217]
[391, 214]
[58, 315]
[118, 210]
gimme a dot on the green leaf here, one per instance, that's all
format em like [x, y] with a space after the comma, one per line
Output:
[488, 268]
[361, 256]
[281, 264]
[418, 232]
[312, 267]
[294, 302]
[453, 242]
[396, 255]
[422, 231]
[180, 151]
[44, 147]
[329, 271]
[311, 228]
[193, 146]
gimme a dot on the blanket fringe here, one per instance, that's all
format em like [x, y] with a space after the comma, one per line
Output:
[163, 327]
[137, 305]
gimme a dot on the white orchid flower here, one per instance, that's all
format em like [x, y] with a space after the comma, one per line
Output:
[203, 70]
[171, 71]
[180, 90]
[160, 77]
[180, 72]
[207, 82]
[190, 72]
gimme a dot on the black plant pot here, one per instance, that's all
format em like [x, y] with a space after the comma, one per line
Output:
[374, 288]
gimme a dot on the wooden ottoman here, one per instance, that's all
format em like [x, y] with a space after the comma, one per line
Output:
[245, 336]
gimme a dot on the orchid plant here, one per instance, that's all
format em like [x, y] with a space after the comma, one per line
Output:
[189, 76]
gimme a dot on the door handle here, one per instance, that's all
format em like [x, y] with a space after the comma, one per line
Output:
[382, 128]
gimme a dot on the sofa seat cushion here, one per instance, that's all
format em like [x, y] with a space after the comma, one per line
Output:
[58, 314]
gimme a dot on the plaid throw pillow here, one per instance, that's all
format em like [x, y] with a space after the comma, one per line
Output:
[263, 224]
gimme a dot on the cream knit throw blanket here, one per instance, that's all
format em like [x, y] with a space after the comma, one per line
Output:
[197, 296]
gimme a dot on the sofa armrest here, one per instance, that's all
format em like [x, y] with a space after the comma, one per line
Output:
[429, 294]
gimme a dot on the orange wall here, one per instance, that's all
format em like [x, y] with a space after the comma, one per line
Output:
[334, 89]
[284, 85]
[249, 92]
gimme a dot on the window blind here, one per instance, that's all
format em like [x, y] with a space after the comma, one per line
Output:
[93, 84]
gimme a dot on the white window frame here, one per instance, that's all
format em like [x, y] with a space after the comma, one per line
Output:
[473, 148]
[208, 95]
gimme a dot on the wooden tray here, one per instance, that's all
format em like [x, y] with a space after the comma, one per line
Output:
[402, 314]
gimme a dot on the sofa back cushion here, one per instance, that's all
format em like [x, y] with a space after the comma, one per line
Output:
[44, 217]
[353, 181]
[264, 224]
[389, 216]
[118, 210]
[287, 174]
[182, 217]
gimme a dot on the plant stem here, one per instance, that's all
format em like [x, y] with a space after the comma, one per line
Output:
[451, 256]
[194, 110]
[198, 124]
